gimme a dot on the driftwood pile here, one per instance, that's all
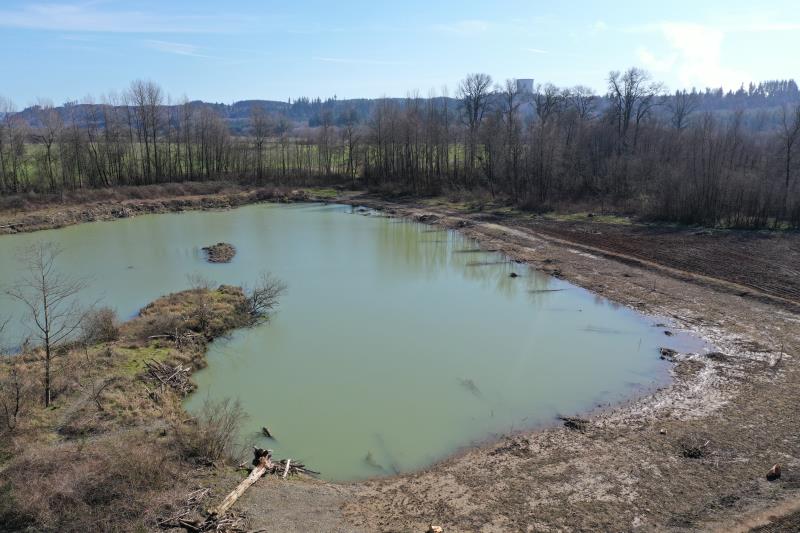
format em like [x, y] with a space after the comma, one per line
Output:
[182, 339]
[174, 377]
[282, 467]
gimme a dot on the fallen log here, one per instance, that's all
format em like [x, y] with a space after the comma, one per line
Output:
[264, 464]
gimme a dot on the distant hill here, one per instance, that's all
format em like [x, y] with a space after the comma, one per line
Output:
[758, 102]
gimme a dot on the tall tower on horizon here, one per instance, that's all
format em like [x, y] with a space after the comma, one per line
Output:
[525, 86]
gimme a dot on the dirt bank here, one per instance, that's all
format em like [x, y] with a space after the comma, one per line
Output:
[35, 217]
[629, 470]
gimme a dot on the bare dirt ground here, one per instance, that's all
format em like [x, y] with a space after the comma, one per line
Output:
[691, 456]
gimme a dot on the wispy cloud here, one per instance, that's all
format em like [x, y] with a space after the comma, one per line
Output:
[90, 17]
[463, 27]
[694, 55]
[356, 61]
[169, 47]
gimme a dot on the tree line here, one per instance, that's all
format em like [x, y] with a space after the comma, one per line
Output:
[656, 154]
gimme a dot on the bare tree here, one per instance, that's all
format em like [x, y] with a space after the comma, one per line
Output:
[474, 93]
[790, 125]
[202, 304]
[147, 99]
[13, 389]
[52, 304]
[633, 95]
[682, 105]
[351, 136]
[583, 101]
[263, 297]
[48, 135]
[261, 127]
[549, 101]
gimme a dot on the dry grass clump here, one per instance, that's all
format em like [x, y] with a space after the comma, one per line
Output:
[100, 326]
[211, 436]
[115, 484]
[201, 311]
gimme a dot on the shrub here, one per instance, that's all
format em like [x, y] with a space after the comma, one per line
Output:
[100, 326]
[211, 436]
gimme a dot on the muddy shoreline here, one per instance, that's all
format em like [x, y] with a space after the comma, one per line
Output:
[702, 389]
[627, 470]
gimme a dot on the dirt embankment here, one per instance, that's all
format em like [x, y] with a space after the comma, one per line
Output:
[690, 456]
[34, 217]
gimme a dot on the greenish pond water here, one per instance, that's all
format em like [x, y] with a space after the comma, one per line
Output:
[395, 345]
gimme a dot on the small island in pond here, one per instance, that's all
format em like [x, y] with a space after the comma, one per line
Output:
[222, 252]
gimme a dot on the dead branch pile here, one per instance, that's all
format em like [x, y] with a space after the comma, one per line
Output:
[192, 504]
[174, 377]
[182, 339]
[282, 467]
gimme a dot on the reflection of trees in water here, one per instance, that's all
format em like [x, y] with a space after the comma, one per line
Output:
[404, 252]
[408, 250]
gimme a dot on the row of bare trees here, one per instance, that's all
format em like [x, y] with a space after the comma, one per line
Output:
[635, 147]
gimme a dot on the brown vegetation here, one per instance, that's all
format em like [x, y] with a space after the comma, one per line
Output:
[222, 252]
[115, 451]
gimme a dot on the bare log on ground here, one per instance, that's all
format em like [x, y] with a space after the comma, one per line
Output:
[264, 459]
[263, 465]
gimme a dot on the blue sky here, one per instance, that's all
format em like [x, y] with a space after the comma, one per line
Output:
[239, 49]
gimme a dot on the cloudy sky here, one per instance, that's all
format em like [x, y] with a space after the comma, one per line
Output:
[239, 49]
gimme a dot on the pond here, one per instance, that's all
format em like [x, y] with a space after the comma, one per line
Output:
[395, 345]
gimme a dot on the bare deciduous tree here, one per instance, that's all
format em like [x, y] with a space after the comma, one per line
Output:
[263, 297]
[13, 387]
[583, 101]
[633, 95]
[261, 128]
[474, 92]
[682, 106]
[48, 135]
[790, 123]
[51, 300]
[549, 101]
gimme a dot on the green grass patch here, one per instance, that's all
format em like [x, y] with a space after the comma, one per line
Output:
[135, 358]
[585, 217]
[323, 192]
